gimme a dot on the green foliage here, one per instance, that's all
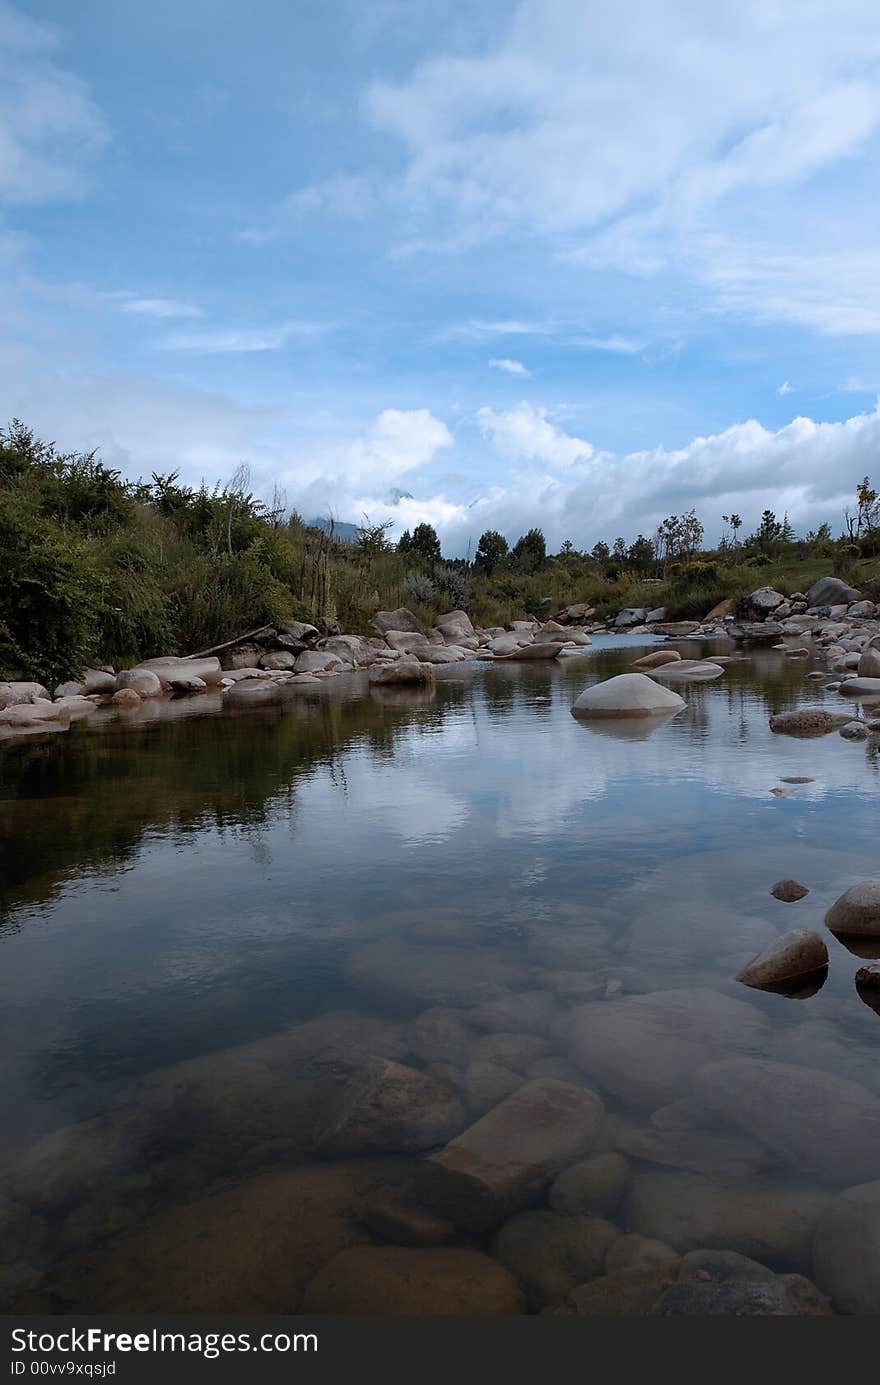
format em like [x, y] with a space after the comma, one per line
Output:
[492, 550]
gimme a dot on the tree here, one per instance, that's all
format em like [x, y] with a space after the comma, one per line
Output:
[768, 533]
[404, 543]
[530, 551]
[491, 552]
[735, 524]
[618, 552]
[868, 515]
[641, 554]
[600, 553]
[372, 538]
[425, 544]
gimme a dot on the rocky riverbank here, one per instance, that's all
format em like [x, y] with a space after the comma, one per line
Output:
[832, 623]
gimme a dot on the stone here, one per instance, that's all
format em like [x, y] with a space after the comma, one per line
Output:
[626, 1294]
[252, 1248]
[789, 891]
[590, 1187]
[409, 641]
[627, 695]
[545, 649]
[354, 650]
[507, 643]
[126, 697]
[281, 659]
[515, 1051]
[724, 608]
[655, 617]
[505, 1161]
[241, 656]
[657, 658]
[854, 731]
[188, 685]
[455, 625]
[550, 1255]
[860, 687]
[407, 671]
[401, 619]
[869, 664]
[144, 681]
[691, 1147]
[771, 1222]
[24, 714]
[485, 1084]
[763, 602]
[98, 680]
[388, 1108]
[787, 963]
[316, 661]
[831, 591]
[755, 632]
[633, 615]
[822, 1125]
[444, 654]
[688, 670]
[862, 610]
[399, 973]
[392, 1219]
[166, 668]
[642, 1049]
[634, 1252]
[441, 1035]
[781, 1296]
[525, 1012]
[857, 911]
[867, 983]
[396, 1281]
[846, 1250]
[808, 721]
[722, 1266]
[71, 689]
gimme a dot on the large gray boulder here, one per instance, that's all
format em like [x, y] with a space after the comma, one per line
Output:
[831, 591]
[409, 671]
[755, 632]
[351, 649]
[820, 1124]
[763, 602]
[788, 962]
[455, 626]
[627, 695]
[846, 1250]
[504, 1162]
[401, 619]
[767, 1221]
[143, 680]
[633, 615]
[643, 1049]
[857, 911]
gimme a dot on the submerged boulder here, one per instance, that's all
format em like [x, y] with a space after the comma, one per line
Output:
[846, 1250]
[657, 658]
[627, 695]
[409, 671]
[394, 1281]
[388, 1108]
[809, 721]
[789, 963]
[857, 911]
[505, 1161]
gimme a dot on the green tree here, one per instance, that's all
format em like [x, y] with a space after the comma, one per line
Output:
[492, 550]
[600, 553]
[530, 551]
[425, 544]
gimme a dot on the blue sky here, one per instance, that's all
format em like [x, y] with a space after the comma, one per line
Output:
[550, 262]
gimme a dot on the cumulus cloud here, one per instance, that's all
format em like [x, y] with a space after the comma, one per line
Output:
[398, 441]
[511, 367]
[526, 433]
[49, 125]
[785, 388]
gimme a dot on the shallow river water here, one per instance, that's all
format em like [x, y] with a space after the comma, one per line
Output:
[214, 922]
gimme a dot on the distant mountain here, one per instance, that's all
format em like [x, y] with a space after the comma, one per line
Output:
[342, 532]
[395, 495]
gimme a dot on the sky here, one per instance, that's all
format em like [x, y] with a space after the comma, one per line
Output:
[486, 265]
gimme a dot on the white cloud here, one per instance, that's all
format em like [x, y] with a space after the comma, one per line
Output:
[355, 196]
[49, 125]
[218, 340]
[509, 366]
[526, 433]
[785, 388]
[156, 307]
[398, 441]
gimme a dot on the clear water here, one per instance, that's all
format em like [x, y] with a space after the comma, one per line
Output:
[189, 896]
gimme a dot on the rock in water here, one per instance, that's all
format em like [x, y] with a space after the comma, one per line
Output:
[868, 986]
[403, 671]
[505, 1161]
[856, 913]
[788, 890]
[809, 721]
[551, 1254]
[822, 1125]
[657, 659]
[795, 964]
[846, 1250]
[395, 1281]
[627, 695]
[388, 1108]
[643, 1049]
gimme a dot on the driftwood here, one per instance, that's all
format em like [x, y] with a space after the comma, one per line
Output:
[239, 639]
